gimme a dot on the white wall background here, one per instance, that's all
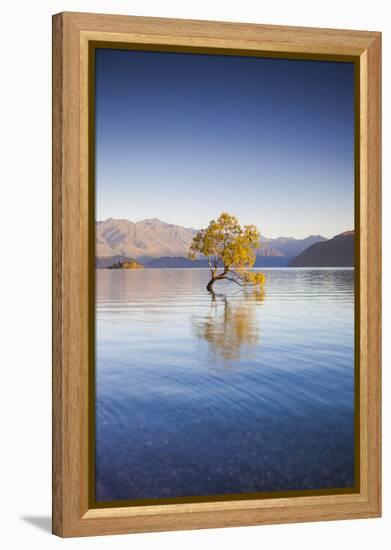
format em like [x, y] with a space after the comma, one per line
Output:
[25, 289]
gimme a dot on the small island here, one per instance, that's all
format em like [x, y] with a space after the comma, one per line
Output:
[126, 264]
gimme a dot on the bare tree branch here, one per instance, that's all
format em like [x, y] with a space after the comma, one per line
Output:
[235, 281]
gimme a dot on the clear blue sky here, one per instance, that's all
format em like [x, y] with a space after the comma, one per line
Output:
[182, 137]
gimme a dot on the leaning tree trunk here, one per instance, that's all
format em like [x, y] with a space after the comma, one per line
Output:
[209, 286]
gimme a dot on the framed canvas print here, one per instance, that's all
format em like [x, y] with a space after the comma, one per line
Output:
[216, 274]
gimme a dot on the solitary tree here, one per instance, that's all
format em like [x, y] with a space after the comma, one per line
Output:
[229, 248]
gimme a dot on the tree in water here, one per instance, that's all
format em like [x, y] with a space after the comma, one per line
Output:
[230, 250]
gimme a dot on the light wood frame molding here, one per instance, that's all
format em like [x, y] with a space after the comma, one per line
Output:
[72, 33]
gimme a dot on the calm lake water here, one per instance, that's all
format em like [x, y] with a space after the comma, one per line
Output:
[241, 392]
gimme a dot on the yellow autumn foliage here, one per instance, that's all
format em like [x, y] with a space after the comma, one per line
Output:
[230, 247]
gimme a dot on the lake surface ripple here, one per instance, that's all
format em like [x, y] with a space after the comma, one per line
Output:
[238, 392]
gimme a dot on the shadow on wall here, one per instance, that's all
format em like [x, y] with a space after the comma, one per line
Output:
[44, 523]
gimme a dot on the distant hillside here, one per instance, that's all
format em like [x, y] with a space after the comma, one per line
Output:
[149, 238]
[336, 252]
[272, 261]
[118, 240]
[180, 262]
[288, 246]
[175, 262]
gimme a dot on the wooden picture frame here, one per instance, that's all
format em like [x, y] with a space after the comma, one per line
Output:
[73, 34]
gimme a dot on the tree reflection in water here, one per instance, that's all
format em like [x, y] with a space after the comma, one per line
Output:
[231, 326]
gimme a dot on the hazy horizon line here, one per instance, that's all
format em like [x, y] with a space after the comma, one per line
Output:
[280, 236]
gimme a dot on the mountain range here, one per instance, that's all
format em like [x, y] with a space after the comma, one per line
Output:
[149, 238]
[338, 251]
[157, 244]
[162, 244]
